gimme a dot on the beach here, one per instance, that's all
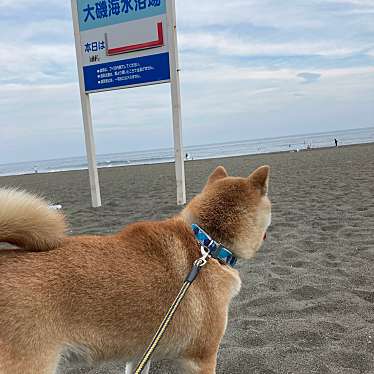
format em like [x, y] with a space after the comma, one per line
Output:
[307, 298]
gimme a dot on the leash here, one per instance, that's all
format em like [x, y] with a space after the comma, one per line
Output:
[198, 264]
[209, 248]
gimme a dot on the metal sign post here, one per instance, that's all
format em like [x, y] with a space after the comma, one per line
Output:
[87, 120]
[176, 105]
[124, 44]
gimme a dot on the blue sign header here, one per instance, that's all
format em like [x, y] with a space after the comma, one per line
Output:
[93, 14]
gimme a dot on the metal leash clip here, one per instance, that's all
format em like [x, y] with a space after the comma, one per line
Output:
[202, 261]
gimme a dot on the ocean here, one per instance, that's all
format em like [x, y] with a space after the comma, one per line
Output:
[196, 152]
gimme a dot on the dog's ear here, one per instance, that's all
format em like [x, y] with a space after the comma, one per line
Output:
[219, 173]
[259, 179]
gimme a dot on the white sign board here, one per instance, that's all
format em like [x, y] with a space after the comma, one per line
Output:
[123, 44]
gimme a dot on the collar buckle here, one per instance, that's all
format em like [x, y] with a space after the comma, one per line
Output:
[210, 248]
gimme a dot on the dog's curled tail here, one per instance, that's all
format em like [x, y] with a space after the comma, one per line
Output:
[27, 221]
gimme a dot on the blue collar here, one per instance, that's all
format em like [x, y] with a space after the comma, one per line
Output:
[216, 250]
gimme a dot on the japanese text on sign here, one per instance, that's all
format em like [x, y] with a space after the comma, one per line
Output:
[154, 68]
[94, 46]
[108, 8]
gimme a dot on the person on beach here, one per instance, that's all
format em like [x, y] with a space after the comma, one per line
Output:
[336, 142]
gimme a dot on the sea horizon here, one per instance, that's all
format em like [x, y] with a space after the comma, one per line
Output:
[286, 143]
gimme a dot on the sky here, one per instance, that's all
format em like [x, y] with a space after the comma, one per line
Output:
[249, 69]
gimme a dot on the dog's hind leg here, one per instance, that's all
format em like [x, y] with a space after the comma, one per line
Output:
[131, 366]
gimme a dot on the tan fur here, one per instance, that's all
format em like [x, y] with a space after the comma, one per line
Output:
[103, 297]
[28, 222]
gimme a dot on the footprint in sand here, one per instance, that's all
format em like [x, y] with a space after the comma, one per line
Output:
[351, 360]
[307, 293]
[360, 234]
[265, 300]
[365, 295]
[281, 270]
[332, 228]
[250, 323]
[276, 284]
[333, 330]
[251, 361]
[300, 264]
[307, 339]
[369, 211]
[362, 209]
[250, 339]
[330, 256]
[290, 254]
[330, 264]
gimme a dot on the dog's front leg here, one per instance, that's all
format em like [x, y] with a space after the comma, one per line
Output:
[131, 366]
[206, 365]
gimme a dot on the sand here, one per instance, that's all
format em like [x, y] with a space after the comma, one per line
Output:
[307, 301]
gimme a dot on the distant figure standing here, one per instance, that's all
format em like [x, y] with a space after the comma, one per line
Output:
[336, 142]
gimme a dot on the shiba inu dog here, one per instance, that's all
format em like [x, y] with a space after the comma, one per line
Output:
[101, 298]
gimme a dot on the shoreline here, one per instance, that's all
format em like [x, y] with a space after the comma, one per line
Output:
[186, 160]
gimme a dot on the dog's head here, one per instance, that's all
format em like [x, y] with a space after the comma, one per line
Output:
[234, 211]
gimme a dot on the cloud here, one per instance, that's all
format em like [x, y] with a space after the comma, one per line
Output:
[309, 77]
[225, 44]
[11, 5]
[361, 3]
[36, 63]
[265, 13]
